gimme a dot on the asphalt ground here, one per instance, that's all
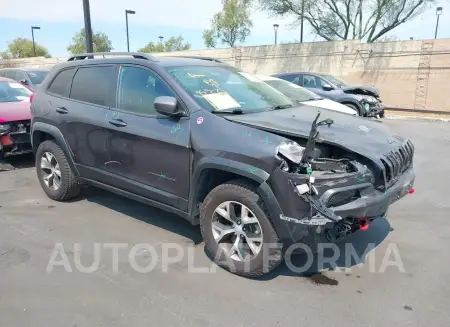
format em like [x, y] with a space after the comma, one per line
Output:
[404, 280]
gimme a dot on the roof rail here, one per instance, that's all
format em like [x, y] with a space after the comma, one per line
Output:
[204, 58]
[136, 55]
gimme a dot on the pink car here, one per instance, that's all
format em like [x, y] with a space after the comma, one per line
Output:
[15, 118]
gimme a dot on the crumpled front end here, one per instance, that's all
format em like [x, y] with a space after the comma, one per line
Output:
[15, 138]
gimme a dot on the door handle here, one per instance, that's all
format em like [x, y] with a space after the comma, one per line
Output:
[118, 122]
[62, 110]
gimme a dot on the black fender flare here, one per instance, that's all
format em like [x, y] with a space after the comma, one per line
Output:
[59, 138]
[259, 176]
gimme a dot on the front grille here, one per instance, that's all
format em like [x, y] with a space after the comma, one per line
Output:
[397, 162]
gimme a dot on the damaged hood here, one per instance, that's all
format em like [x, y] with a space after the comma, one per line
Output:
[361, 89]
[13, 111]
[368, 138]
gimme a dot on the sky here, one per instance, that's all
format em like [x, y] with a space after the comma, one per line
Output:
[60, 20]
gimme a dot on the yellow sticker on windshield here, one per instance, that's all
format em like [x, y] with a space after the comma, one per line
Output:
[221, 101]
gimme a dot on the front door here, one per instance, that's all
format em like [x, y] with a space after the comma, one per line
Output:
[148, 153]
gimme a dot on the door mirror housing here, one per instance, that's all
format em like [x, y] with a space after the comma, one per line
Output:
[23, 81]
[167, 106]
[327, 87]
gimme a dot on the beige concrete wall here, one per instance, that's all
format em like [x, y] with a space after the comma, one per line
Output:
[409, 74]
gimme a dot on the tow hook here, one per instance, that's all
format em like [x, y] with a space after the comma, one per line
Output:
[411, 191]
[364, 224]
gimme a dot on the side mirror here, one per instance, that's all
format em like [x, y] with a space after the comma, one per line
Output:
[23, 81]
[167, 106]
[327, 87]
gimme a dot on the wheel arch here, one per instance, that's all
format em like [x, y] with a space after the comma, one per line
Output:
[43, 132]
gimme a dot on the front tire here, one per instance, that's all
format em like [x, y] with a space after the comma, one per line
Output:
[237, 231]
[54, 172]
[353, 107]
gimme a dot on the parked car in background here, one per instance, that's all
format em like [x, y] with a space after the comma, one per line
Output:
[15, 118]
[364, 99]
[304, 96]
[30, 77]
[218, 147]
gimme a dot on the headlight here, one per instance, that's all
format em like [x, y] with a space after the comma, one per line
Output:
[291, 151]
[369, 98]
[4, 127]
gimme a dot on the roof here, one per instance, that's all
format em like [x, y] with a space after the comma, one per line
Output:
[267, 78]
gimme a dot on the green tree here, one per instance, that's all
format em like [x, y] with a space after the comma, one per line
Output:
[231, 25]
[172, 44]
[101, 43]
[23, 48]
[348, 19]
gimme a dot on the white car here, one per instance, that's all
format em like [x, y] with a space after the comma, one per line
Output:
[300, 94]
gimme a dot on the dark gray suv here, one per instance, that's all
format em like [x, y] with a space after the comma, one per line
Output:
[364, 99]
[218, 147]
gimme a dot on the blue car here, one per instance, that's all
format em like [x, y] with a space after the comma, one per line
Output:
[364, 99]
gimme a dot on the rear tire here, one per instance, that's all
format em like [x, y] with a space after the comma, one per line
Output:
[54, 172]
[382, 114]
[253, 258]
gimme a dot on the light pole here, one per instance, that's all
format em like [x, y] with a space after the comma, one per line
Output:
[438, 13]
[32, 37]
[87, 26]
[131, 12]
[275, 28]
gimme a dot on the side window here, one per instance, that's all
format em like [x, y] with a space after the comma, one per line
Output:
[20, 76]
[2, 73]
[310, 81]
[92, 84]
[61, 84]
[10, 74]
[138, 89]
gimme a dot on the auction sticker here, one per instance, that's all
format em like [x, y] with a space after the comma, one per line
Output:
[199, 120]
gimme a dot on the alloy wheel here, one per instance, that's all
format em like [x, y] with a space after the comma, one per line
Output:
[51, 173]
[237, 231]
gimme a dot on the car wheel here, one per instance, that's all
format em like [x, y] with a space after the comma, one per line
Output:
[382, 114]
[54, 173]
[238, 234]
[353, 107]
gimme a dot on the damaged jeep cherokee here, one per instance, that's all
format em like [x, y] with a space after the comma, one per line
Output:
[218, 147]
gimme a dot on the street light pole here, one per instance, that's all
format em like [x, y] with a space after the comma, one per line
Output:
[32, 37]
[131, 12]
[438, 13]
[87, 26]
[275, 28]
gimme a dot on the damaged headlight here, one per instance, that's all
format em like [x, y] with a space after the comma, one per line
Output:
[4, 127]
[291, 151]
[369, 99]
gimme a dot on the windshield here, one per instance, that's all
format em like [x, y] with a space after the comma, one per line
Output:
[334, 80]
[293, 91]
[226, 89]
[37, 77]
[13, 92]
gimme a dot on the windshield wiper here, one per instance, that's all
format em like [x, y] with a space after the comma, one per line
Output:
[230, 111]
[281, 106]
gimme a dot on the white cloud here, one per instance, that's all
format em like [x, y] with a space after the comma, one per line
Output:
[194, 14]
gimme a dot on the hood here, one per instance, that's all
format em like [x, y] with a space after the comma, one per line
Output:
[370, 139]
[13, 111]
[332, 105]
[362, 89]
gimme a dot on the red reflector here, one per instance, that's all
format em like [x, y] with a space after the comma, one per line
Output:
[31, 97]
[6, 140]
[411, 191]
[364, 224]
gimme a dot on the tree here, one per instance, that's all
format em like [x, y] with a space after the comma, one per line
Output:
[23, 48]
[231, 25]
[172, 44]
[101, 43]
[348, 19]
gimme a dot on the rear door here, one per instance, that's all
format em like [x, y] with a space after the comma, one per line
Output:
[148, 153]
[81, 115]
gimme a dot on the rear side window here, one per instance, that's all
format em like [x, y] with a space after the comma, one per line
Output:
[92, 84]
[61, 83]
